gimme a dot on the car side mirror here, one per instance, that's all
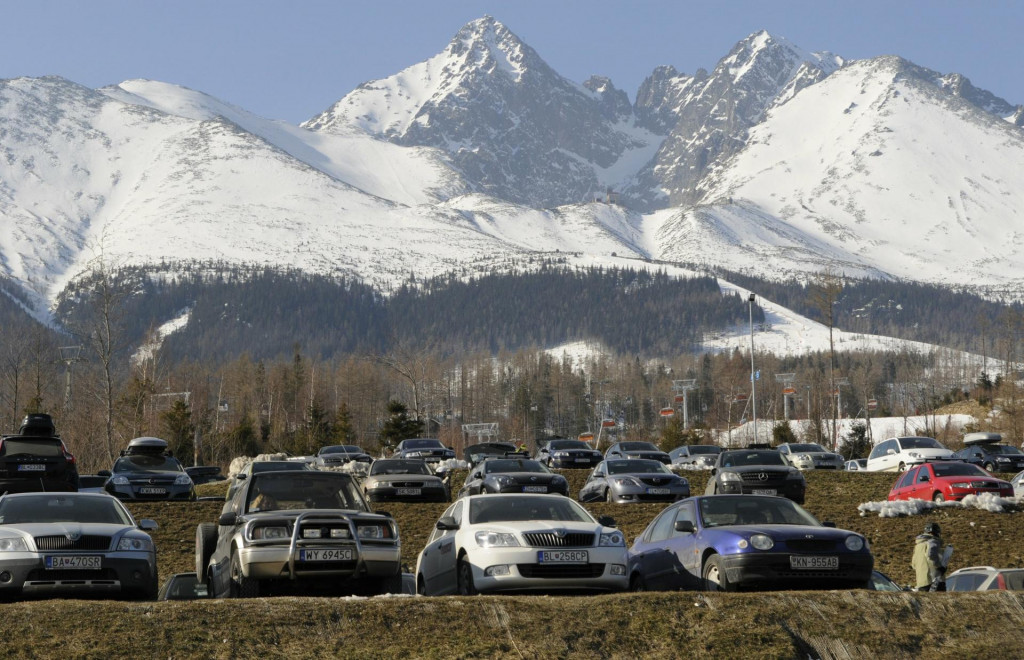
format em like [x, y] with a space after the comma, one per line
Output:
[240, 476]
[891, 452]
[147, 525]
[828, 523]
[607, 521]
[103, 473]
[229, 519]
[714, 471]
[447, 523]
[685, 526]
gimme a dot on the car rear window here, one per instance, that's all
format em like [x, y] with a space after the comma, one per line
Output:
[1014, 580]
[53, 507]
[32, 447]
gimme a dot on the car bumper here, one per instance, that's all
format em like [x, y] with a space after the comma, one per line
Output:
[271, 563]
[170, 494]
[628, 494]
[25, 573]
[773, 569]
[961, 493]
[390, 494]
[550, 489]
[791, 490]
[605, 570]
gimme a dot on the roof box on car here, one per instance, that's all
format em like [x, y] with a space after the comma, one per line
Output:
[147, 445]
[982, 438]
[38, 424]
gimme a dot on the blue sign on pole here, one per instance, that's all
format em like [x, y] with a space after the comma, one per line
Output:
[757, 375]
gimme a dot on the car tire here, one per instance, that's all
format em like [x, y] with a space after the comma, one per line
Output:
[637, 583]
[421, 586]
[390, 584]
[903, 467]
[241, 586]
[938, 497]
[990, 467]
[465, 578]
[608, 497]
[714, 575]
[206, 543]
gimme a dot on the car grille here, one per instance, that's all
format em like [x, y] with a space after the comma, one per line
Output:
[61, 542]
[657, 481]
[563, 571]
[405, 484]
[551, 540]
[984, 484]
[325, 531]
[770, 475]
[43, 575]
[811, 545]
[153, 481]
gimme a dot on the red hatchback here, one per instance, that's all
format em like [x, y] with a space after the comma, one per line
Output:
[947, 481]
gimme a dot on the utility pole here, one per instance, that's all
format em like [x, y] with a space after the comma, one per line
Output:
[753, 383]
[69, 355]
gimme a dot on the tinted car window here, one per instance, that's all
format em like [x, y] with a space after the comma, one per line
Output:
[147, 463]
[422, 444]
[906, 479]
[311, 490]
[806, 447]
[35, 447]
[1005, 449]
[662, 527]
[398, 466]
[568, 444]
[958, 470]
[746, 510]
[52, 507]
[919, 443]
[637, 446]
[273, 466]
[739, 458]
[513, 508]
[513, 465]
[635, 466]
[704, 449]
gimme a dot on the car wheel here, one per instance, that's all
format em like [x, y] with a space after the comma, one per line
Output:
[608, 497]
[903, 467]
[465, 578]
[241, 586]
[990, 467]
[206, 543]
[421, 586]
[637, 583]
[714, 575]
[390, 584]
[938, 497]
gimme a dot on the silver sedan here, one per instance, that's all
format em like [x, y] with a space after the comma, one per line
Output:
[633, 480]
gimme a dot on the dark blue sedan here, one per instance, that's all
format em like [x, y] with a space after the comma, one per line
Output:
[729, 542]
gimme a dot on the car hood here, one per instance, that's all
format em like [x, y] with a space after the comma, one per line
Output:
[668, 478]
[388, 478]
[758, 468]
[295, 513]
[819, 454]
[541, 526]
[537, 477]
[69, 529]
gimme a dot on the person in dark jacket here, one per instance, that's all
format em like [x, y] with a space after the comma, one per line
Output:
[927, 560]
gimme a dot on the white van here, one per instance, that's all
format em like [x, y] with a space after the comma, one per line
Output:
[898, 454]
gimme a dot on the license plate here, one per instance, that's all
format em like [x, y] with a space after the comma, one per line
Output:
[829, 563]
[582, 460]
[535, 489]
[408, 491]
[327, 554]
[562, 556]
[75, 562]
[31, 467]
[658, 491]
[763, 491]
[152, 491]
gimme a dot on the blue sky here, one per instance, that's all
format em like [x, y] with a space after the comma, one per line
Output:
[291, 59]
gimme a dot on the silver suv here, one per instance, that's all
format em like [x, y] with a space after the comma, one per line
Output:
[299, 532]
[985, 578]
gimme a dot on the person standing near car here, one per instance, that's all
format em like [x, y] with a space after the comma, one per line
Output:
[927, 560]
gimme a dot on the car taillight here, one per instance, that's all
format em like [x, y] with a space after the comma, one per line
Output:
[1000, 582]
[70, 457]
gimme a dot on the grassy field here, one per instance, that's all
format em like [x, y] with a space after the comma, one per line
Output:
[754, 625]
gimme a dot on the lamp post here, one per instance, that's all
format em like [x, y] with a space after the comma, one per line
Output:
[753, 382]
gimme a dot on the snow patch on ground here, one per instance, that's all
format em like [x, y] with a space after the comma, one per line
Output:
[983, 502]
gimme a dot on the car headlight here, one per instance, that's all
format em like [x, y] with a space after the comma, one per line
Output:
[1002, 459]
[119, 481]
[961, 484]
[270, 533]
[559, 479]
[183, 480]
[762, 542]
[795, 475]
[131, 543]
[13, 544]
[615, 538]
[496, 540]
[913, 454]
[504, 480]
[561, 454]
[623, 481]
[854, 543]
[373, 531]
[729, 476]
[804, 457]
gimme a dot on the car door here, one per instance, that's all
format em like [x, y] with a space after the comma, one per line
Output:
[474, 482]
[652, 557]
[921, 486]
[593, 489]
[684, 562]
[437, 561]
[220, 568]
[902, 489]
[881, 460]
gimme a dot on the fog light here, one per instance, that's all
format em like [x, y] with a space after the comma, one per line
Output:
[495, 571]
[137, 576]
[5, 577]
[618, 569]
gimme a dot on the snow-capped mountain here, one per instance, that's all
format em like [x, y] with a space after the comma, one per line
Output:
[778, 162]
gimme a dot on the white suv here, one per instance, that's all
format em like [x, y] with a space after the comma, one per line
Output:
[985, 578]
[898, 454]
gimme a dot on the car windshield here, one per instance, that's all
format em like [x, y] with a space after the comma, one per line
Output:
[275, 466]
[704, 449]
[62, 508]
[636, 466]
[513, 465]
[422, 444]
[637, 446]
[1005, 449]
[509, 508]
[919, 443]
[147, 463]
[958, 470]
[341, 449]
[737, 458]
[309, 490]
[752, 510]
[33, 447]
[398, 466]
[568, 444]
[489, 450]
[812, 447]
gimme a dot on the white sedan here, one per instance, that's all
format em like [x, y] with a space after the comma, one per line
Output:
[506, 542]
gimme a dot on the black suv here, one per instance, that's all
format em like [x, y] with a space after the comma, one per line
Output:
[36, 459]
[756, 472]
